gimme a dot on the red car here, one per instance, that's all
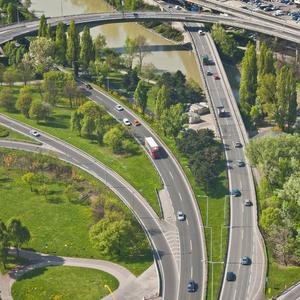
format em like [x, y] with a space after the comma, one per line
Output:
[136, 122]
[217, 77]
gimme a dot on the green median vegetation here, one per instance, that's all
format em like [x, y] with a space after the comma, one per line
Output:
[68, 212]
[95, 136]
[278, 160]
[67, 283]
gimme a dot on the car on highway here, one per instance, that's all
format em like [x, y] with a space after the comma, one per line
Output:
[248, 202]
[126, 122]
[88, 86]
[240, 163]
[119, 107]
[136, 122]
[217, 77]
[180, 216]
[245, 261]
[191, 287]
[135, 14]
[236, 193]
[238, 145]
[34, 133]
[230, 276]
[209, 73]
[201, 32]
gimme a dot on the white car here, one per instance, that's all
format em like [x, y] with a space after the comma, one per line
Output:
[35, 133]
[180, 216]
[119, 107]
[126, 122]
[201, 32]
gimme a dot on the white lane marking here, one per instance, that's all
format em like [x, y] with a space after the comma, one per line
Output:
[191, 245]
[234, 295]
[171, 175]
[187, 222]
[180, 196]
[191, 272]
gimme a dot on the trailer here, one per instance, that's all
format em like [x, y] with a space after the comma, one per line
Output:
[152, 147]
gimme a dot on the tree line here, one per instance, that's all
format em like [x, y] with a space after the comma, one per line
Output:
[267, 90]
[278, 159]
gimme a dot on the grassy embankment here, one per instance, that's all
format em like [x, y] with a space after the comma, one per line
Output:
[8, 134]
[129, 167]
[57, 226]
[67, 283]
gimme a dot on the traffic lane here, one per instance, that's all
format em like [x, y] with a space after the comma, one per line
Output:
[168, 170]
[164, 252]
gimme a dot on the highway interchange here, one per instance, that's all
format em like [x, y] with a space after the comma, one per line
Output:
[190, 262]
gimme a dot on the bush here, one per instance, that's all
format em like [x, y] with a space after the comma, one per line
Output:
[3, 132]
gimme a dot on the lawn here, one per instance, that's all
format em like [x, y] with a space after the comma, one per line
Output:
[15, 136]
[58, 227]
[129, 167]
[279, 276]
[63, 283]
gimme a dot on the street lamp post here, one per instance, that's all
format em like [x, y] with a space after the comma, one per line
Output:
[221, 245]
[209, 227]
[110, 291]
[226, 196]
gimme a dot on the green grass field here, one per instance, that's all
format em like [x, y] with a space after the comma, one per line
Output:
[63, 283]
[16, 136]
[129, 167]
[59, 228]
[280, 277]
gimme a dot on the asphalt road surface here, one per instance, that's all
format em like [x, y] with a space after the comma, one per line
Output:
[243, 239]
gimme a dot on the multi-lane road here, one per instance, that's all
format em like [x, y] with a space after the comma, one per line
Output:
[283, 31]
[244, 238]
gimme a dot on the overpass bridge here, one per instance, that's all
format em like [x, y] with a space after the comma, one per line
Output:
[10, 32]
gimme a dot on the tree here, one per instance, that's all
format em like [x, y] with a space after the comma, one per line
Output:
[88, 126]
[87, 53]
[265, 61]
[70, 91]
[76, 122]
[266, 93]
[114, 138]
[130, 49]
[39, 110]
[286, 97]
[99, 45]
[163, 97]
[24, 101]
[172, 120]
[42, 32]
[11, 13]
[4, 243]
[110, 235]
[41, 51]
[141, 45]
[30, 179]
[7, 99]
[18, 233]
[54, 83]
[100, 131]
[248, 82]
[73, 47]
[140, 95]
[60, 44]
[25, 71]
[131, 80]
[92, 110]
[71, 194]
[10, 76]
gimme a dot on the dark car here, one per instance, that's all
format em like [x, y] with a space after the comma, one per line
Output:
[191, 287]
[230, 276]
[238, 145]
[245, 261]
[236, 193]
[248, 202]
[88, 86]
[240, 163]
[209, 73]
